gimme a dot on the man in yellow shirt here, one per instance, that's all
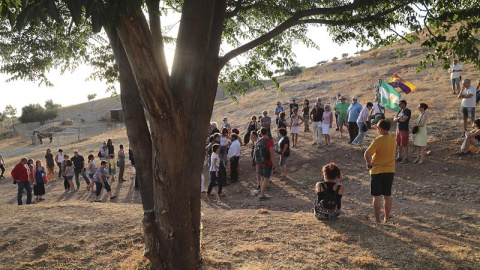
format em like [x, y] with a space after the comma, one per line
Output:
[380, 160]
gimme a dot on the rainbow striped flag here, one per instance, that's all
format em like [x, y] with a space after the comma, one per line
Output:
[397, 82]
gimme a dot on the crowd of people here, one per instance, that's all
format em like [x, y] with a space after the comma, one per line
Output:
[272, 145]
[270, 140]
[31, 175]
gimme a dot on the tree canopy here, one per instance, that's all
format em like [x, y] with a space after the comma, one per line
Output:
[36, 113]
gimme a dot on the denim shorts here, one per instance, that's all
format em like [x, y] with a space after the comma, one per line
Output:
[69, 177]
[265, 171]
[468, 112]
[456, 81]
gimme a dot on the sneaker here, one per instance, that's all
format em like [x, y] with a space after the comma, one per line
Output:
[398, 159]
[70, 191]
[354, 143]
[222, 195]
[263, 198]
[257, 188]
[404, 161]
[319, 146]
[313, 143]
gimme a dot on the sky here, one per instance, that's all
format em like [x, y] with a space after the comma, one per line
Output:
[72, 87]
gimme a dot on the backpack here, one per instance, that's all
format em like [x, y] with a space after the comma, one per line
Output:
[478, 97]
[330, 199]
[100, 153]
[260, 153]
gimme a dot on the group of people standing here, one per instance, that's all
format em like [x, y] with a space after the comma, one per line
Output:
[28, 173]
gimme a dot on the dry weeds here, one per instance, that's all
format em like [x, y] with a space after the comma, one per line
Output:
[435, 222]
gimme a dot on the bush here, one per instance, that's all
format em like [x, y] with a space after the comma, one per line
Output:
[293, 71]
[35, 113]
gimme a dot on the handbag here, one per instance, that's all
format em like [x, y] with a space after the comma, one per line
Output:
[415, 129]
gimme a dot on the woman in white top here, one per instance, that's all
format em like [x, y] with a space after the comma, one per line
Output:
[327, 120]
[215, 171]
[362, 123]
[59, 159]
[295, 126]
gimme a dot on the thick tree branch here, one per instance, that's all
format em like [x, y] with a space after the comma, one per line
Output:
[296, 19]
[153, 7]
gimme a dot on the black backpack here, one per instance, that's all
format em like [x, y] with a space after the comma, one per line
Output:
[478, 96]
[330, 199]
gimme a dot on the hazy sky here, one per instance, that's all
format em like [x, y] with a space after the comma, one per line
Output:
[72, 88]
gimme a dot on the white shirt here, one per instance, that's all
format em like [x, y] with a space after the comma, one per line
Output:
[377, 109]
[59, 157]
[363, 116]
[456, 74]
[234, 150]
[215, 167]
[470, 102]
[223, 141]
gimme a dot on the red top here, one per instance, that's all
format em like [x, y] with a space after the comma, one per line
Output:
[21, 172]
[269, 145]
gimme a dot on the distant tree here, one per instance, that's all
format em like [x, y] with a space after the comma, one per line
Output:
[32, 113]
[91, 97]
[293, 71]
[334, 59]
[322, 62]
[344, 55]
[36, 113]
[10, 111]
[2, 116]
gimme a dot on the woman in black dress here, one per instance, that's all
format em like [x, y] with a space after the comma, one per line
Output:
[39, 184]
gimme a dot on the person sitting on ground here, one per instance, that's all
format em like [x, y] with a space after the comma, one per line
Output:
[100, 178]
[472, 138]
[328, 203]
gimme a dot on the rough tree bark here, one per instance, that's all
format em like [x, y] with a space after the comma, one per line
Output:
[180, 108]
[139, 138]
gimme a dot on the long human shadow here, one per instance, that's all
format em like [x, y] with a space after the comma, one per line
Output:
[404, 245]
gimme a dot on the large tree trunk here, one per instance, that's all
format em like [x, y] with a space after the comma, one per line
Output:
[140, 141]
[178, 126]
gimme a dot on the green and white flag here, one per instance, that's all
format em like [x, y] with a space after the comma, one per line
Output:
[388, 96]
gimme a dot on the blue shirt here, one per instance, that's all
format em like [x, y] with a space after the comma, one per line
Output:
[353, 111]
[104, 174]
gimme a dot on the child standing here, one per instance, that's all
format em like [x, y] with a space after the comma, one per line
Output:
[69, 175]
[63, 167]
[91, 170]
[327, 121]
[39, 184]
[112, 165]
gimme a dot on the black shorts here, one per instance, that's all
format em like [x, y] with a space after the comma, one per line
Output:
[381, 184]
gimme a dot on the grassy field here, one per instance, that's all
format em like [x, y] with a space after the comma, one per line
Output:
[435, 224]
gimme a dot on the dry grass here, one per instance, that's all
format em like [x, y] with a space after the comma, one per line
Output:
[435, 213]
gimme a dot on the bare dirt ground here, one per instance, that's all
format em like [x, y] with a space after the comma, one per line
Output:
[435, 224]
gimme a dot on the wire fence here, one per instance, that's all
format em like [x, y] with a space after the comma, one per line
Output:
[61, 134]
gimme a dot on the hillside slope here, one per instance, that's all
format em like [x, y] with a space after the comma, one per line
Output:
[435, 223]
